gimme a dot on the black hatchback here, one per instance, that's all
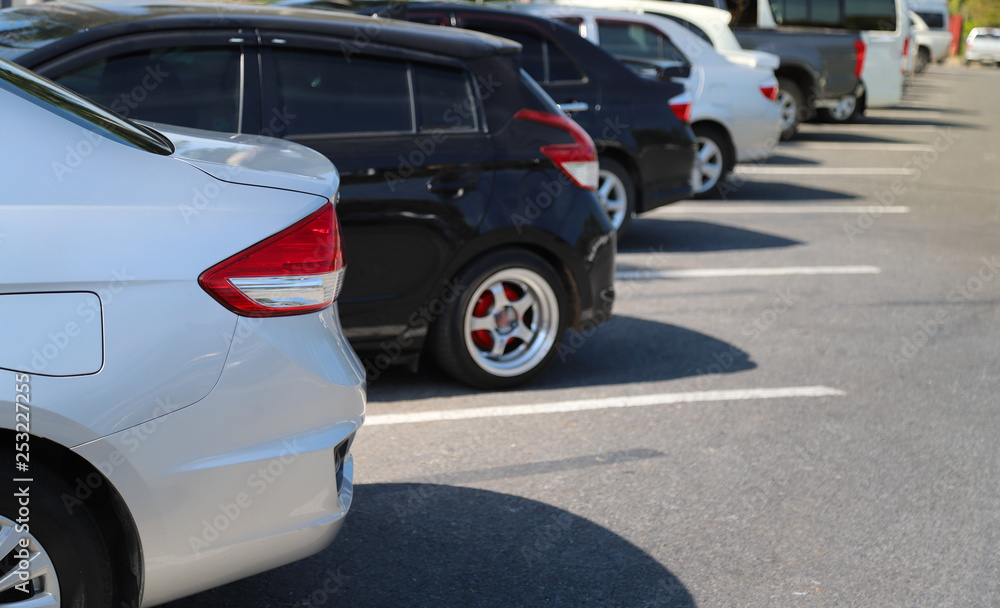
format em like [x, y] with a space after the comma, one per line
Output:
[471, 228]
[639, 123]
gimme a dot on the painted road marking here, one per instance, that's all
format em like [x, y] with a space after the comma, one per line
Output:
[710, 273]
[779, 208]
[836, 145]
[582, 405]
[785, 170]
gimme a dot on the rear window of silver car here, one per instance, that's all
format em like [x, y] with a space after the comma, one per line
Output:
[76, 109]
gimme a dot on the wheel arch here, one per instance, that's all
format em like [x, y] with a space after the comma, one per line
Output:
[108, 507]
[803, 79]
[721, 127]
[620, 155]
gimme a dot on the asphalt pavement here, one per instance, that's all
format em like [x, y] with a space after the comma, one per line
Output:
[795, 405]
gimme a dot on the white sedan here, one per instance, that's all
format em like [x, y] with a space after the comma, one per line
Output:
[734, 112]
[179, 399]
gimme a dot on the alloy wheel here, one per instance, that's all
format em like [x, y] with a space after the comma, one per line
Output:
[42, 583]
[708, 166]
[613, 196]
[510, 323]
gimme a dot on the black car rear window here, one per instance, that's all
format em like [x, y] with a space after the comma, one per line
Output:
[329, 93]
[543, 60]
[185, 86]
[70, 106]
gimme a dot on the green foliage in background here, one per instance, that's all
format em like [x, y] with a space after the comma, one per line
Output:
[975, 13]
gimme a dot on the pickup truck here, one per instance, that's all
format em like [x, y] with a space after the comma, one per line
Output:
[820, 70]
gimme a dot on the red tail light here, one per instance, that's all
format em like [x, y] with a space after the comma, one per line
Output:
[770, 90]
[577, 160]
[681, 105]
[296, 271]
[859, 57]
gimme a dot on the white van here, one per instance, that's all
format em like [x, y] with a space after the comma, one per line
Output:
[884, 27]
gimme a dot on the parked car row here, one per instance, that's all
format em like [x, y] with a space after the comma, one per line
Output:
[247, 210]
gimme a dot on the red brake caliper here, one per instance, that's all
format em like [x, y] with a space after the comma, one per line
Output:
[482, 338]
[484, 306]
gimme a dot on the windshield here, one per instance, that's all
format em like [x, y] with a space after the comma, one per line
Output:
[25, 29]
[76, 109]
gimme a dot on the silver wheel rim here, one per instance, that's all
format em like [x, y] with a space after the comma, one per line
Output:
[789, 110]
[707, 165]
[41, 579]
[845, 108]
[613, 197]
[511, 322]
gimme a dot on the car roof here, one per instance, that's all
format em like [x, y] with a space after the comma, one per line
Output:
[70, 24]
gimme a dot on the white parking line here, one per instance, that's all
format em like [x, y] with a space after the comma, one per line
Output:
[780, 208]
[874, 147]
[785, 170]
[817, 128]
[709, 273]
[605, 403]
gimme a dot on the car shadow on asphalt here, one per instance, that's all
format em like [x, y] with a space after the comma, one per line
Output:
[912, 122]
[624, 350]
[759, 191]
[427, 544]
[662, 235]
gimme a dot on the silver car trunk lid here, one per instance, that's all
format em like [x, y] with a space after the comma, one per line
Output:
[254, 160]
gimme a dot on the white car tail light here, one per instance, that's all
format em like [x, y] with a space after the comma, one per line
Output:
[681, 105]
[769, 88]
[296, 271]
[577, 160]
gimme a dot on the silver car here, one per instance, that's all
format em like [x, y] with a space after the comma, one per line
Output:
[178, 400]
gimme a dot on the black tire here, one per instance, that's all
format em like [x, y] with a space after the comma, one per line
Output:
[67, 533]
[845, 114]
[792, 104]
[923, 60]
[472, 355]
[614, 184]
[718, 160]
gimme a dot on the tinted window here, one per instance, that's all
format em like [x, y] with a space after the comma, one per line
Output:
[329, 93]
[189, 87]
[542, 60]
[561, 67]
[935, 21]
[24, 29]
[573, 23]
[443, 98]
[848, 14]
[690, 26]
[870, 14]
[790, 12]
[66, 104]
[628, 39]
[744, 12]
